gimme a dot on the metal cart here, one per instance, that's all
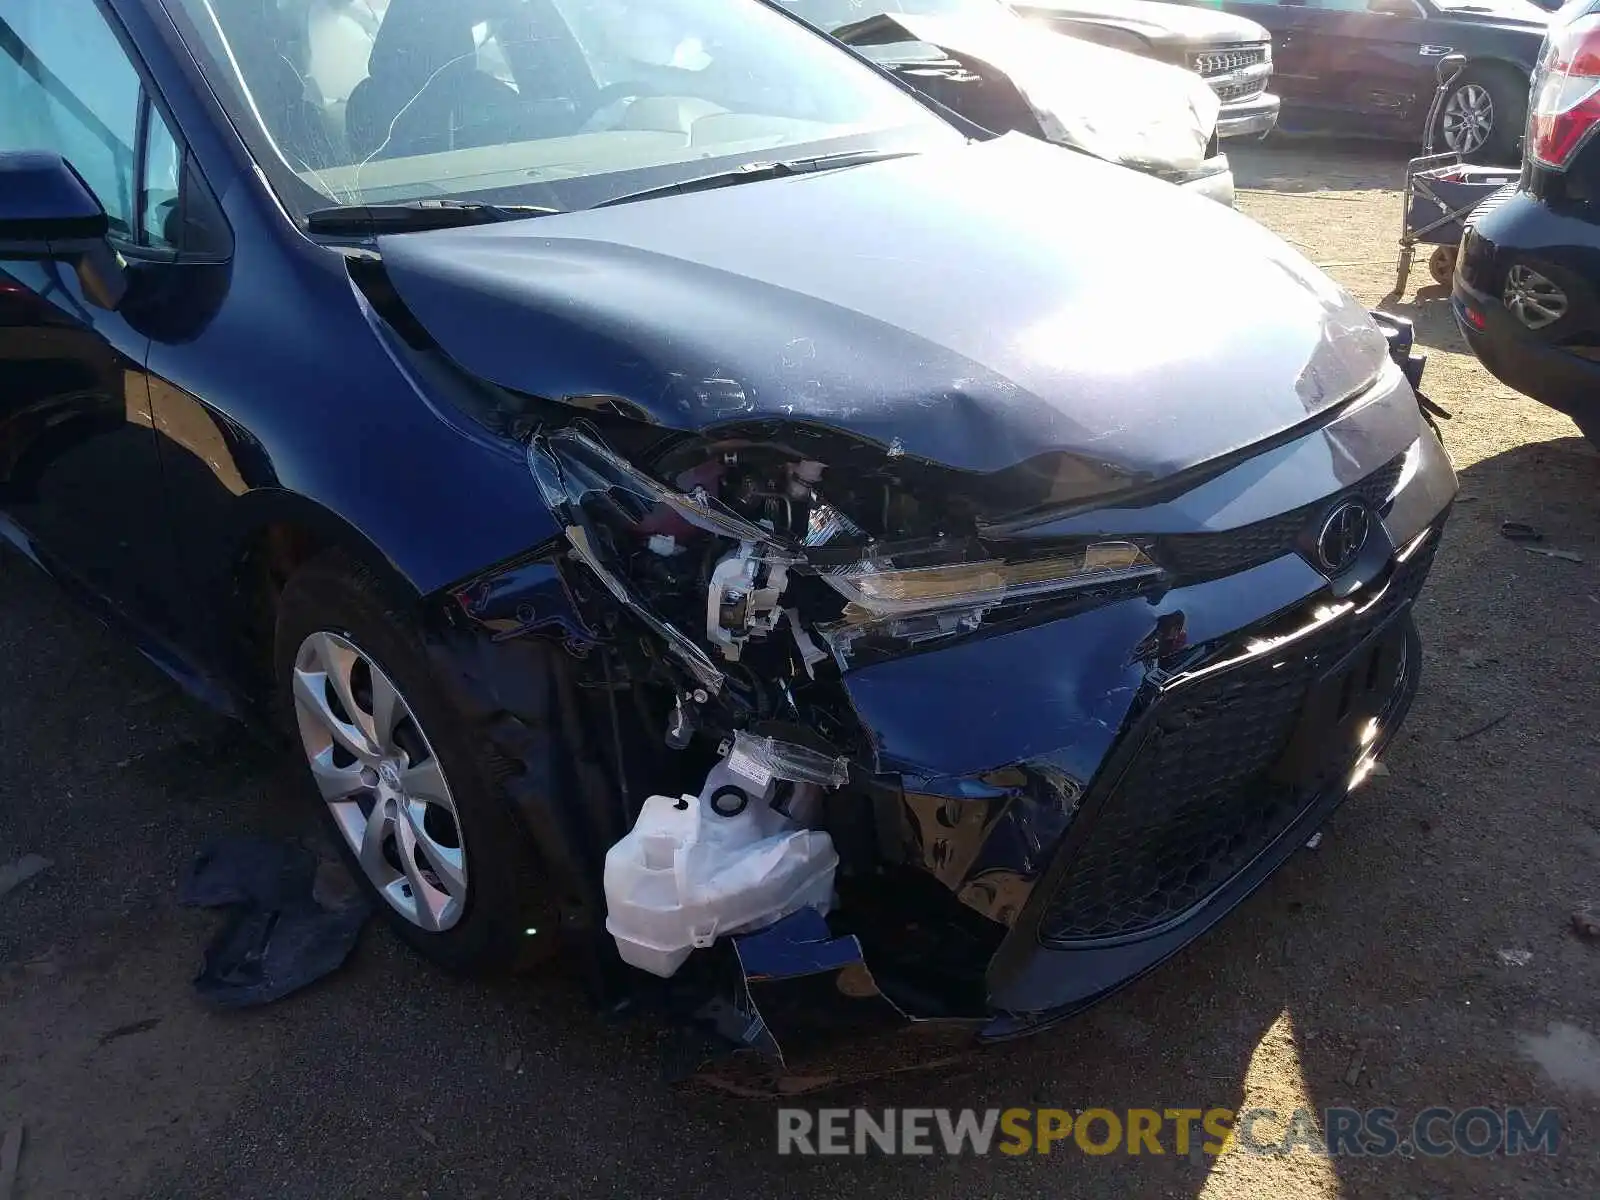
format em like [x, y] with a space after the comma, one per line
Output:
[1441, 192]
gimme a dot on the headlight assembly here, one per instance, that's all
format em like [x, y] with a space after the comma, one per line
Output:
[878, 588]
[737, 554]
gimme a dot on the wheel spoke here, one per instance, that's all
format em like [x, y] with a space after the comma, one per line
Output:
[373, 862]
[387, 709]
[421, 890]
[425, 781]
[333, 781]
[448, 863]
[310, 692]
[338, 661]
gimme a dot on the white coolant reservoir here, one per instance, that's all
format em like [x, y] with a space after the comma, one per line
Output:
[696, 868]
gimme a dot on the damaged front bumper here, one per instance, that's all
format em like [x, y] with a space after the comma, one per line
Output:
[1213, 179]
[1254, 118]
[1222, 771]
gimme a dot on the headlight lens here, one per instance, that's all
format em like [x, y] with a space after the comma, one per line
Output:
[878, 588]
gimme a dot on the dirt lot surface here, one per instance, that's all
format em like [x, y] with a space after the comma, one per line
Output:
[1370, 972]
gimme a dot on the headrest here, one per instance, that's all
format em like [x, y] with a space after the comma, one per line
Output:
[419, 38]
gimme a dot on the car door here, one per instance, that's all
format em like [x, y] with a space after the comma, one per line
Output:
[80, 478]
[1373, 57]
[1298, 66]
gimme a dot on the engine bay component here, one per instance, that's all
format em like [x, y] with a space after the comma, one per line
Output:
[702, 667]
[762, 759]
[742, 600]
[696, 868]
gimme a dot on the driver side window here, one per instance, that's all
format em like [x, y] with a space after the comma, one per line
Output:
[66, 85]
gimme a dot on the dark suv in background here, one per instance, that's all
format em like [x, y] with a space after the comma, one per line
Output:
[1525, 279]
[1367, 66]
[1232, 54]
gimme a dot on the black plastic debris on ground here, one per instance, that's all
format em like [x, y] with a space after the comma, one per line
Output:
[277, 938]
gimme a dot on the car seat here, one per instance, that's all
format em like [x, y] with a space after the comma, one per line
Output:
[424, 92]
[270, 58]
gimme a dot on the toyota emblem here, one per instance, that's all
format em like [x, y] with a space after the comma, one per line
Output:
[1343, 535]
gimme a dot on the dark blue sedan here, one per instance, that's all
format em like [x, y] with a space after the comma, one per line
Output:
[672, 485]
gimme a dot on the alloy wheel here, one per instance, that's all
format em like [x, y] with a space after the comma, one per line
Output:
[1534, 299]
[1468, 118]
[381, 782]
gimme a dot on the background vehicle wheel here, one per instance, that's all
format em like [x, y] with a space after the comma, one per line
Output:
[1483, 115]
[1545, 299]
[401, 777]
[1442, 264]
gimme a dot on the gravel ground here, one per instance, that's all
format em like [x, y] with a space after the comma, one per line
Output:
[1382, 949]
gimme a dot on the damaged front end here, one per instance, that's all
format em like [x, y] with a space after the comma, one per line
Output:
[1008, 763]
[880, 665]
[740, 578]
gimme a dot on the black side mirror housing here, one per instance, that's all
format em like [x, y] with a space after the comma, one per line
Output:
[48, 212]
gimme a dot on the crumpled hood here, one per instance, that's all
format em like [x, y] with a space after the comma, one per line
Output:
[1115, 105]
[975, 307]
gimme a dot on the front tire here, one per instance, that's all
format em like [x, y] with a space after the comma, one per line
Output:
[401, 776]
[1483, 115]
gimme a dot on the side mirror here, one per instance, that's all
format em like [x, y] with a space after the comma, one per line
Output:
[48, 212]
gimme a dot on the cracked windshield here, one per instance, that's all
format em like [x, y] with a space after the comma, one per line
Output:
[563, 103]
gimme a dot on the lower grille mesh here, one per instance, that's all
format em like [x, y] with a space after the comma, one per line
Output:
[1198, 803]
[1233, 93]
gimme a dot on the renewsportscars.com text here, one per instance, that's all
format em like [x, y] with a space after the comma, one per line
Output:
[1336, 1132]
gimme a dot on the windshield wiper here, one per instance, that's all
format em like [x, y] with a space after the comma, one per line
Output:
[757, 171]
[415, 215]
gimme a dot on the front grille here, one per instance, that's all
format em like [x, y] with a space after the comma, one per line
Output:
[1199, 802]
[1195, 556]
[1218, 66]
[1221, 62]
[1233, 93]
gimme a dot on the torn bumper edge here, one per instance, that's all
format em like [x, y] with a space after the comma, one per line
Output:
[806, 1013]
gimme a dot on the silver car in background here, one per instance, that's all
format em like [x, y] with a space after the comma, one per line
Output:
[981, 60]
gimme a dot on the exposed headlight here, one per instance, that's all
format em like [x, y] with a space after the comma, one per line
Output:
[732, 555]
[880, 588]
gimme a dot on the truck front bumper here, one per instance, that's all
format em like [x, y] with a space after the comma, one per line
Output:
[1253, 118]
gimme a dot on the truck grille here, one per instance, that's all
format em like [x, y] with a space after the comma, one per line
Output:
[1207, 63]
[1235, 93]
[1200, 802]
[1221, 68]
